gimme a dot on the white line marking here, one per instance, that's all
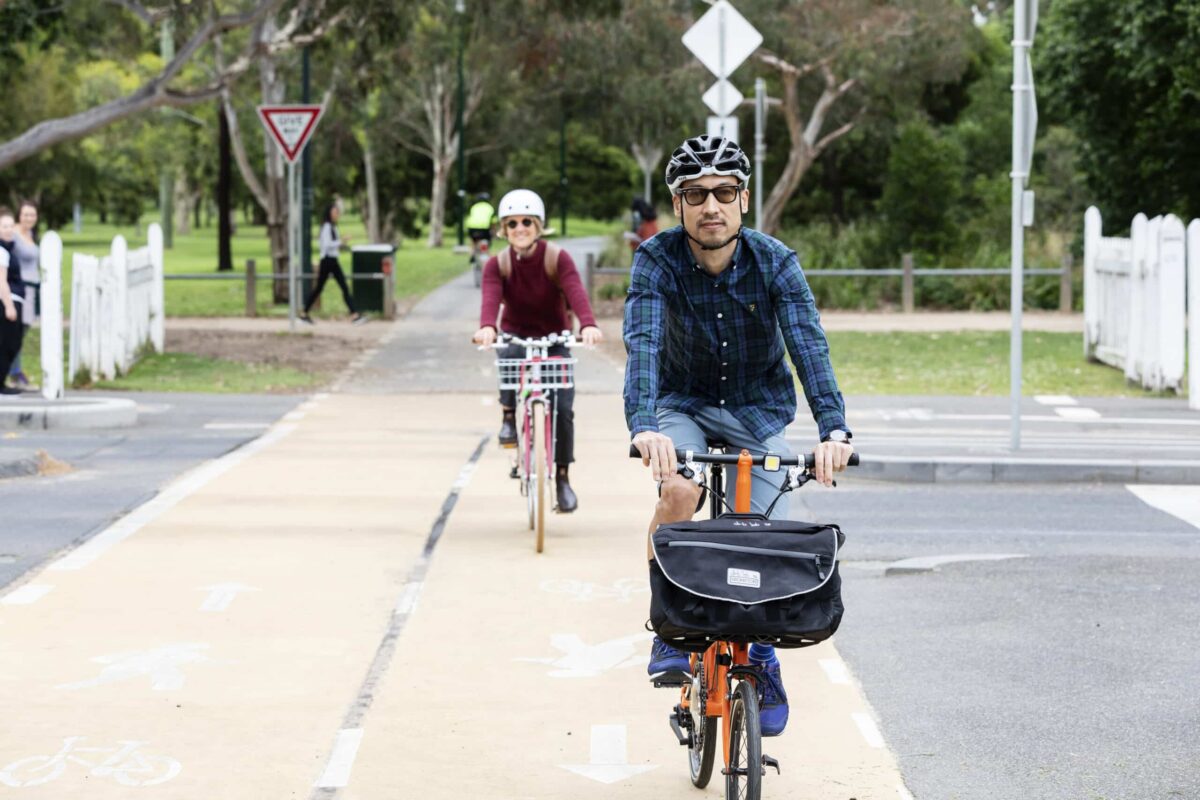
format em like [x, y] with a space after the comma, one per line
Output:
[1077, 413]
[835, 670]
[1055, 399]
[237, 426]
[1179, 501]
[26, 595]
[488, 401]
[294, 416]
[407, 603]
[146, 513]
[341, 760]
[464, 476]
[903, 793]
[932, 563]
[866, 726]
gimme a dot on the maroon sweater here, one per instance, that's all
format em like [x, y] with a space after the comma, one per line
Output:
[533, 305]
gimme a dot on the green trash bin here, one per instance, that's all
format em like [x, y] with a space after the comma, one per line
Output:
[369, 292]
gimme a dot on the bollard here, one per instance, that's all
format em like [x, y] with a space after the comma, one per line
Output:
[389, 289]
[251, 289]
[1065, 300]
[906, 288]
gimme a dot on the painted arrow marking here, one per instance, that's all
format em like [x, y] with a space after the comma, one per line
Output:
[608, 762]
[582, 660]
[220, 595]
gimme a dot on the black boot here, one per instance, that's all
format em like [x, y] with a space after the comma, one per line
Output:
[508, 429]
[567, 501]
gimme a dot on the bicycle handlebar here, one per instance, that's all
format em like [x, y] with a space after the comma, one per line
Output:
[566, 338]
[732, 458]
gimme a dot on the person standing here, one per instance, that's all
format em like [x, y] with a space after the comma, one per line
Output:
[532, 289]
[330, 244]
[26, 253]
[12, 299]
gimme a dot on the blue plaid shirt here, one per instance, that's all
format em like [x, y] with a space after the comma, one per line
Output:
[695, 340]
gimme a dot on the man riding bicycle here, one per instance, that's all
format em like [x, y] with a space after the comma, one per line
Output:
[712, 306]
[481, 218]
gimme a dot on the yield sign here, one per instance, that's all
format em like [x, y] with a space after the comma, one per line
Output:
[290, 126]
[722, 39]
[723, 98]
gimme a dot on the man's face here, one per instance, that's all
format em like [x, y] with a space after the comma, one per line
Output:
[712, 222]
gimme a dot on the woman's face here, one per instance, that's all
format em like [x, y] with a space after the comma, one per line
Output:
[521, 230]
[335, 213]
[28, 217]
[6, 227]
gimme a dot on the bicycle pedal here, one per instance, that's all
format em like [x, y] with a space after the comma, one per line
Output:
[671, 680]
[514, 474]
[504, 446]
[767, 761]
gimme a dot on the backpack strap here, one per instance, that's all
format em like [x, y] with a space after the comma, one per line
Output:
[505, 261]
[552, 251]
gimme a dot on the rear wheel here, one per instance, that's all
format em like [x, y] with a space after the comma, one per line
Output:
[539, 469]
[477, 268]
[743, 777]
[702, 754]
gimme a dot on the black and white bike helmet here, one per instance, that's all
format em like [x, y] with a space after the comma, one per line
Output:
[706, 155]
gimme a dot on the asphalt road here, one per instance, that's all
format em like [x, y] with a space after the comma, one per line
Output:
[114, 471]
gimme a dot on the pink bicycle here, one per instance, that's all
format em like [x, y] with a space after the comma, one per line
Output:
[534, 378]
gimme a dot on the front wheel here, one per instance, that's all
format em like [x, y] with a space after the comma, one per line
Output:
[477, 268]
[743, 774]
[538, 490]
[703, 751]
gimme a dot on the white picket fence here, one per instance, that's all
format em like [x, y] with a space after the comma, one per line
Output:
[1134, 299]
[52, 317]
[116, 307]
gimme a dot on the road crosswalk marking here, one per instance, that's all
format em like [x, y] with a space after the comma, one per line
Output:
[1179, 501]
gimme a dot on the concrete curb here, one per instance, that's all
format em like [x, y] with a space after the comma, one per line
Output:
[982, 469]
[19, 464]
[73, 413]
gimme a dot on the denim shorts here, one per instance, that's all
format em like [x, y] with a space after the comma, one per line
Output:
[694, 431]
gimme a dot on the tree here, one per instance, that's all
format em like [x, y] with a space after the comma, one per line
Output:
[920, 196]
[1123, 75]
[830, 54]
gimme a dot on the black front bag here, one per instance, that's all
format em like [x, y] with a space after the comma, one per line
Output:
[745, 579]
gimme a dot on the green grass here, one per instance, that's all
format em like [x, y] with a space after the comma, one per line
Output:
[183, 372]
[970, 363]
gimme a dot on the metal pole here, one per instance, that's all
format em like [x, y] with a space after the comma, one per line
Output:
[166, 176]
[462, 134]
[760, 145]
[562, 168]
[293, 242]
[721, 66]
[306, 179]
[1019, 87]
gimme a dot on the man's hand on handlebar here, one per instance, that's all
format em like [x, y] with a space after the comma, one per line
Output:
[658, 453]
[830, 458]
[485, 336]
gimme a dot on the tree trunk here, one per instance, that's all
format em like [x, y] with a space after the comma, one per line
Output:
[374, 233]
[272, 91]
[437, 201]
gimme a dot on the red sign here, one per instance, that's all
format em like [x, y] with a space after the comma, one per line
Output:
[291, 126]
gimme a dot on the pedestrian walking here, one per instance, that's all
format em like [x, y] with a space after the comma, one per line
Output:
[329, 244]
[26, 253]
[12, 300]
[645, 222]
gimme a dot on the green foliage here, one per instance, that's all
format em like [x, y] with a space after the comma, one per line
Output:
[921, 192]
[601, 178]
[1123, 75]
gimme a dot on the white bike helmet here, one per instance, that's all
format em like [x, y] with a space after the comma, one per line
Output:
[522, 202]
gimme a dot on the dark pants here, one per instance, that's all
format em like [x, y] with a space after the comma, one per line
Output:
[330, 267]
[562, 400]
[11, 335]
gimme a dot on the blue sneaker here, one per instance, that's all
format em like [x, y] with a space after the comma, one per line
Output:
[773, 710]
[667, 662]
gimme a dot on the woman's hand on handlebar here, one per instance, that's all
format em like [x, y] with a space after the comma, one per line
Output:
[590, 336]
[485, 336]
[658, 453]
[830, 458]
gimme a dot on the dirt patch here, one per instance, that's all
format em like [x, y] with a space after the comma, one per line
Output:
[324, 349]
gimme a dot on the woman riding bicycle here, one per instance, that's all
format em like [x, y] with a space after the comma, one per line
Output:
[711, 307]
[532, 289]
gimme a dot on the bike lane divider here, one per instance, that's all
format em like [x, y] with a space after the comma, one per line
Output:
[517, 673]
[154, 666]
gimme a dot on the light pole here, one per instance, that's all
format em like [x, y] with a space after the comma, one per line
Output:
[460, 10]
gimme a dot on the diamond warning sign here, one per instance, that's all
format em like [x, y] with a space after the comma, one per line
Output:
[291, 126]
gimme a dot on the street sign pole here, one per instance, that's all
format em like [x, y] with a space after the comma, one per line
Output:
[1024, 21]
[293, 244]
[760, 145]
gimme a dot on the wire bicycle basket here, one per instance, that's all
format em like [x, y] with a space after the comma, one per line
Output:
[545, 373]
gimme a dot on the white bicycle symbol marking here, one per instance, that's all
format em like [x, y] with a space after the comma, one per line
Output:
[621, 590]
[125, 764]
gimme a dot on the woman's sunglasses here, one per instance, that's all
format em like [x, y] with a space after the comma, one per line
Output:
[527, 222]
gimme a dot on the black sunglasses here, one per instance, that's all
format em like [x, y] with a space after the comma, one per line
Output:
[698, 195]
[527, 222]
